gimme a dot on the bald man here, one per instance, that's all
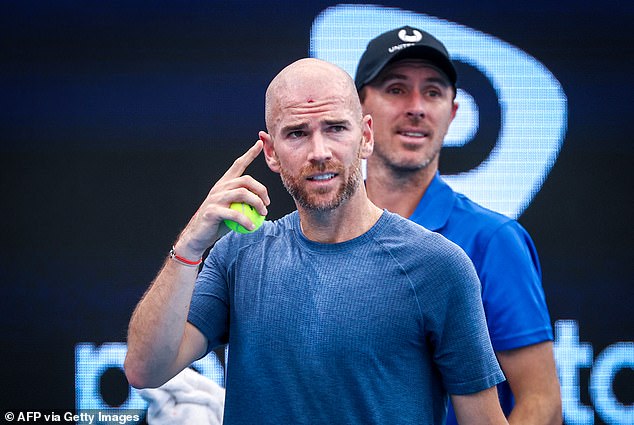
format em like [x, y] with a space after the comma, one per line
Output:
[339, 312]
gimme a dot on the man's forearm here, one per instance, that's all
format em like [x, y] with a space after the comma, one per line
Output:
[537, 410]
[157, 326]
[532, 375]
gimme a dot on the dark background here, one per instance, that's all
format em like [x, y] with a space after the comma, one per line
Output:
[117, 117]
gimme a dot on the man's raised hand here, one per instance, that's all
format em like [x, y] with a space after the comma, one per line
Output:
[204, 227]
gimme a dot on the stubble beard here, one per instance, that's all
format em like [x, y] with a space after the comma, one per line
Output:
[400, 166]
[312, 201]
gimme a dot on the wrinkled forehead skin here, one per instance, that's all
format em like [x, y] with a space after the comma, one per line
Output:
[307, 87]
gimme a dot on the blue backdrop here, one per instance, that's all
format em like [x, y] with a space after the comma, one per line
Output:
[116, 118]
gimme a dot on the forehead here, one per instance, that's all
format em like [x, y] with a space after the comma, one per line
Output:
[310, 104]
[304, 108]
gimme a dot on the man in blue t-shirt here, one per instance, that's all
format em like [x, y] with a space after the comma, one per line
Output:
[407, 83]
[339, 312]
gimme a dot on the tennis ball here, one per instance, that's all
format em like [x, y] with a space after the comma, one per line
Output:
[250, 212]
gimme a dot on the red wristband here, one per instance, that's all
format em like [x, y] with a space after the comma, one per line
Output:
[184, 260]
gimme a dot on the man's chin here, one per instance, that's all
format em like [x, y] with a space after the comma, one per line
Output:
[318, 205]
[411, 163]
[408, 167]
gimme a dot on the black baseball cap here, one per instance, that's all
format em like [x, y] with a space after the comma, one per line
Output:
[401, 43]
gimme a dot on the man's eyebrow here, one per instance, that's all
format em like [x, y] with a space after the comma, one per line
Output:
[389, 77]
[287, 129]
[293, 127]
[439, 80]
[343, 122]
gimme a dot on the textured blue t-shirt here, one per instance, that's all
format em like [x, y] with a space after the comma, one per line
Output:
[373, 330]
[506, 261]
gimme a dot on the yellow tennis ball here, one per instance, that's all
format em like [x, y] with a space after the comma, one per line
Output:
[250, 212]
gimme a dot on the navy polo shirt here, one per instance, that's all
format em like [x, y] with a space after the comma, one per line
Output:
[507, 264]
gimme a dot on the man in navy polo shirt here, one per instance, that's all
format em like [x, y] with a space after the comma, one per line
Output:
[407, 83]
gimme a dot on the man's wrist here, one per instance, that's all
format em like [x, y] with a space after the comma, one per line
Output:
[184, 254]
[187, 247]
[193, 261]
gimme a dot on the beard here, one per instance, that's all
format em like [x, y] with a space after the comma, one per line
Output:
[400, 164]
[315, 201]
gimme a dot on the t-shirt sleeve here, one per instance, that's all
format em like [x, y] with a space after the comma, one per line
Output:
[209, 309]
[457, 329]
[513, 296]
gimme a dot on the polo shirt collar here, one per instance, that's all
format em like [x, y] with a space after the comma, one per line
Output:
[434, 208]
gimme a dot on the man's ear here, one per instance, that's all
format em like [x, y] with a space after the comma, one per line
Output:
[454, 109]
[367, 141]
[269, 152]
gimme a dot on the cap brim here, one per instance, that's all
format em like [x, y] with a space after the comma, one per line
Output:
[426, 53]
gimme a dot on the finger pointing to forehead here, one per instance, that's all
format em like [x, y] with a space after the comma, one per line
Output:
[240, 165]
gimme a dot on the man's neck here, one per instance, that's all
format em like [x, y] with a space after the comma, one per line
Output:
[397, 191]
[348, 221]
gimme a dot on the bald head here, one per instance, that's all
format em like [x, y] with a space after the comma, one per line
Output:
[309, 82]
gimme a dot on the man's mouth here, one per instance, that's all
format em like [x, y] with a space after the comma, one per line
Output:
[322, 177]
[410, 133]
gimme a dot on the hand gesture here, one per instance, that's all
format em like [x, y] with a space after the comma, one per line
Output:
[204, 227]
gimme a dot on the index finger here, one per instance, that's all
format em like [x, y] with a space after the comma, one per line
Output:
[240, 165]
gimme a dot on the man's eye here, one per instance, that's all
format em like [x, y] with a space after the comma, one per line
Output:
[395, 90]
[295, 134]
[337, 128]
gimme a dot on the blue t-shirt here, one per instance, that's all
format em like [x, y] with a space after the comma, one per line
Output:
[377, 329]
[506, 261]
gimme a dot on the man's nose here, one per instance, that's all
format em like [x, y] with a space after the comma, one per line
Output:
[320, 148]
[415, 105]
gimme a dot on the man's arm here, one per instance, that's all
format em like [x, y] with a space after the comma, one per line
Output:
[160, 340]
[532, 376]
[519, 325]
[481, 408]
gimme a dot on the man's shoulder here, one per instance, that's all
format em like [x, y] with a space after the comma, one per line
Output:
[406, 235]
[399, 226]
[482, 232]
[468, 209]
[470, 218]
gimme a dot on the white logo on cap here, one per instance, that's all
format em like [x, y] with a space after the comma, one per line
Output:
[416, 37]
